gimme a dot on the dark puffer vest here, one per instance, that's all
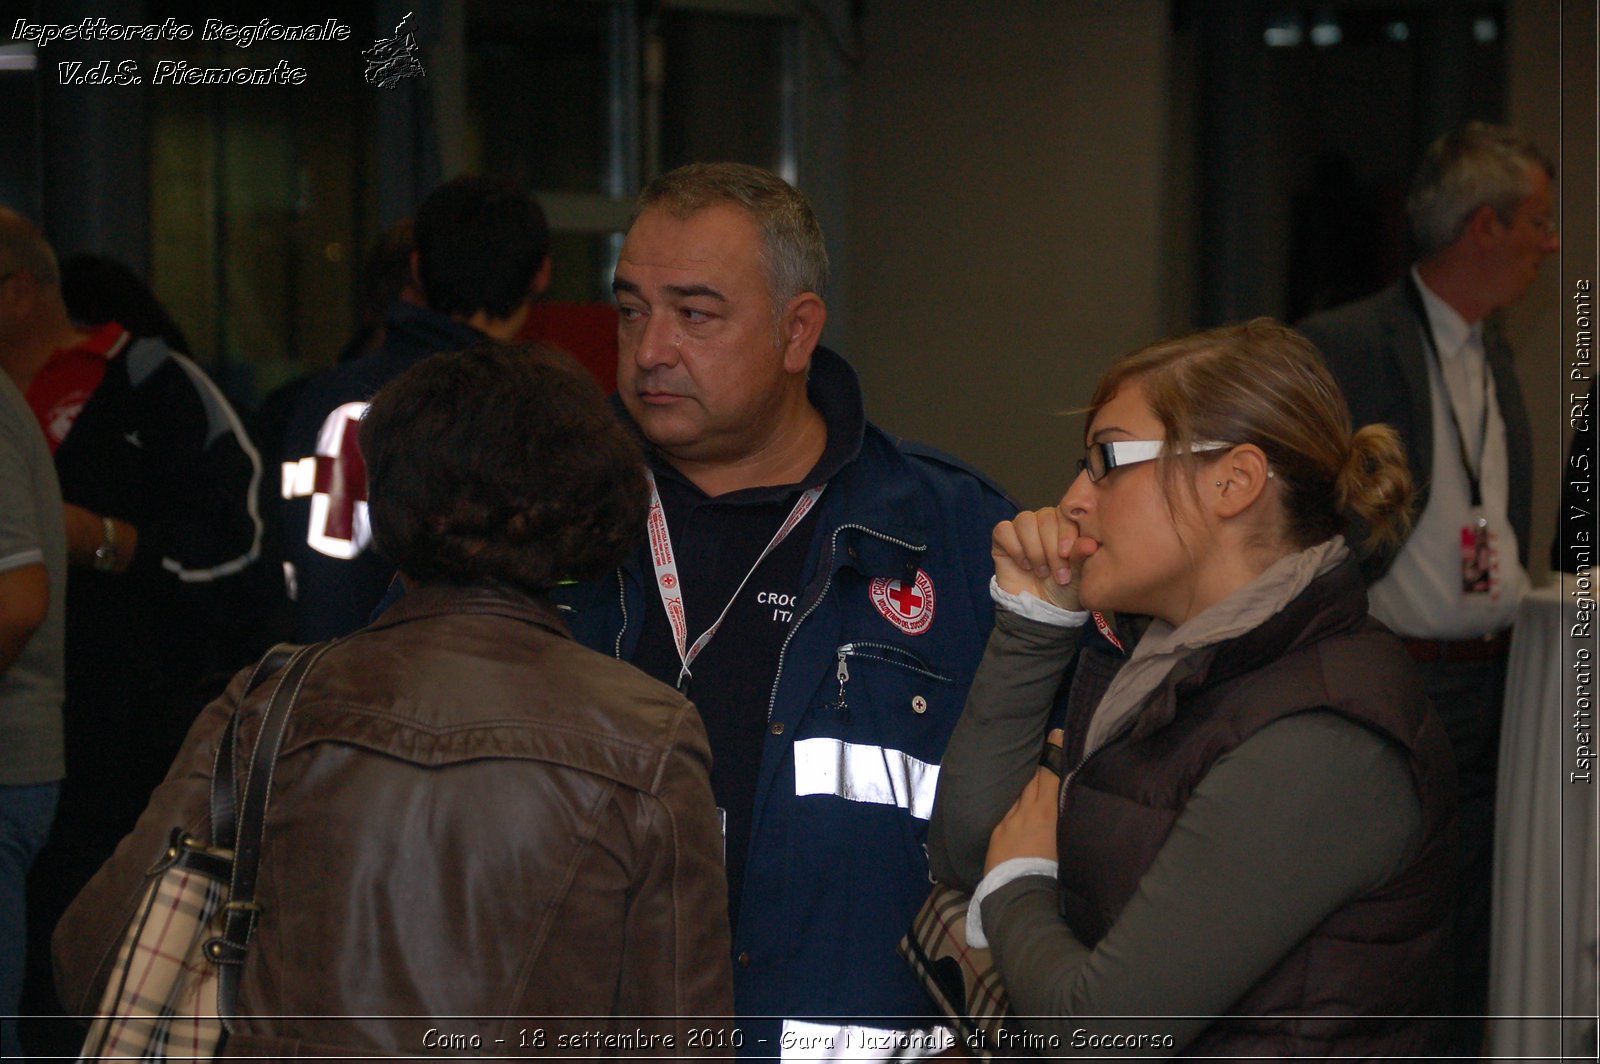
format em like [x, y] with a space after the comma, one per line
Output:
[1356, 984]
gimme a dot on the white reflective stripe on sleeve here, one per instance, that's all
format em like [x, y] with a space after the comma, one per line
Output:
[826, 1041]
[299, 478]
[864, 773]
[338, 546]
[222, 421]
[339, 526]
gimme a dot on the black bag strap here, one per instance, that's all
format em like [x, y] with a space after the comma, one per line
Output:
[240, 913]
[224, 794]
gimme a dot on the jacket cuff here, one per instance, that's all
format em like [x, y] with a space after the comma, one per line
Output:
[1035, 608]
[997, 877]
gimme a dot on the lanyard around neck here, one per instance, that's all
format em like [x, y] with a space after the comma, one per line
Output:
[671, 588]
[1474, 475]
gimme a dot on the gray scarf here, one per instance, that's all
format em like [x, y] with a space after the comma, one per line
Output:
[1163, 646]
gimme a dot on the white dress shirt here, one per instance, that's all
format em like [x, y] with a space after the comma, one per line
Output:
[1421, 594]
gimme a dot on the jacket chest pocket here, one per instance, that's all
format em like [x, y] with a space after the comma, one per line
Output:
[879, 731]
[892, 682]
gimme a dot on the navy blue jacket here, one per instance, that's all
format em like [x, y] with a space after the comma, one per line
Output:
[837, 865]
[339, 578]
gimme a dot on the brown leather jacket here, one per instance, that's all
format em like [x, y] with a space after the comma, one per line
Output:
[477, 829]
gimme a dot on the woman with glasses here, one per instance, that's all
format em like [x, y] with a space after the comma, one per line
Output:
[1246, 853]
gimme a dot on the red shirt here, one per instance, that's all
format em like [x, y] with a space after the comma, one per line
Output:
[65, 383]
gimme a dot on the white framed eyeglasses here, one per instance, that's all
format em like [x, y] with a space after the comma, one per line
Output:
[1102, 458]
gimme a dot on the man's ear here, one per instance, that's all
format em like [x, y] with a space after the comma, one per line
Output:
[541, 278]
[1486, 226]
[1238, 480]
[800, 329]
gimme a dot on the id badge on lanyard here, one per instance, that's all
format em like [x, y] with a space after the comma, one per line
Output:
[671, 589]
[1480, 558]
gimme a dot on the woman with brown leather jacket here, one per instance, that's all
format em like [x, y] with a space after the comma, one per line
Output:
[481, 836]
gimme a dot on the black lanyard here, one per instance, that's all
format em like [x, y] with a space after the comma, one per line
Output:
[1474, 476]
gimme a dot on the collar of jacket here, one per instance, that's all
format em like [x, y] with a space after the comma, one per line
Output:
[1404, 331]
[1402, 339]
[1332, 603]
[436, 600]
[873, 511]
[1405, 335]
[413, 329]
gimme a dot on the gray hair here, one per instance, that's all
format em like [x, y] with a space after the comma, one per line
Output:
[792, 250]
[1478, 165]
[23, 247]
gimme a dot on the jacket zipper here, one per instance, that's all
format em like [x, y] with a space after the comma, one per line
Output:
[833, 548]
[1066, 781]
[844, 677]
[849, 650]
[622, 599]
[914, 664]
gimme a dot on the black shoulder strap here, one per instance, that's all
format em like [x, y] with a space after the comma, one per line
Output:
[224, 794]
[238, 924]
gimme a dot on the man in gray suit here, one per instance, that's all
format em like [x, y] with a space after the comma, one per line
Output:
[1425, 355]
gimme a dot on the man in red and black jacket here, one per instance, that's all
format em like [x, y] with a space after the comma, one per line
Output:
[163, 539]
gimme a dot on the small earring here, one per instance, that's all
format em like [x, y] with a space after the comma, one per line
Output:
[1219, 483]
[1271, 473]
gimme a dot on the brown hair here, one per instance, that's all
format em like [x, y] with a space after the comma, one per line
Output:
[1263, 383]
[501, 465]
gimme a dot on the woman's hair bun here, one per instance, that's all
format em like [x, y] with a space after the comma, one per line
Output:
[1375, 485]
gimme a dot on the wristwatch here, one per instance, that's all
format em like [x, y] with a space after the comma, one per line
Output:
[105, 555]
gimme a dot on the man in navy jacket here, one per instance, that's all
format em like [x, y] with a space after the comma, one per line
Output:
[816, 586]
[482, 254]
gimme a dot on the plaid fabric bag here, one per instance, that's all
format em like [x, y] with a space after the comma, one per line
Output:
[962, 980]
[162, 997]
[172, 985]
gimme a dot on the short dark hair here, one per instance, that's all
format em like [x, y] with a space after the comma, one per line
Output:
[792, 249]
[501, 465]
[480, 241]
[97, 289]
